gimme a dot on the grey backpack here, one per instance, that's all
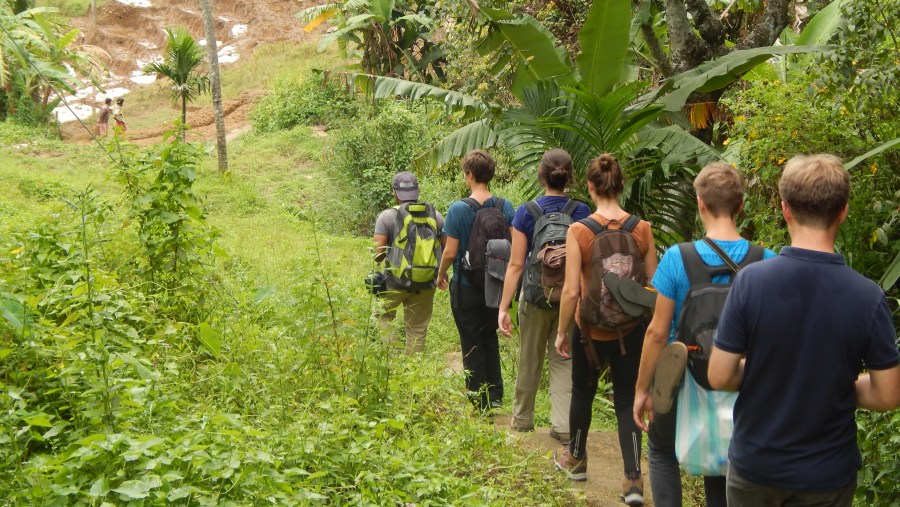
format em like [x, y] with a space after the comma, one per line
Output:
[545, 269]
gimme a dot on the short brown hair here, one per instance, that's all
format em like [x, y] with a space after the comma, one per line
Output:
[721, 188]
[606, 175]
[480, 164]
[816, 188]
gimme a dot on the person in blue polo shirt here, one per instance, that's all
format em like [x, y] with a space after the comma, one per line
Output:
[794, 335]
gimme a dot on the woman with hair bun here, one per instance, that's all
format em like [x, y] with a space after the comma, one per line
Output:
[619, 347]
[537, 321]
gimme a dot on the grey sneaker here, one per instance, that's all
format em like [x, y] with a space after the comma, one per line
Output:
[575, 469]
[668, 375]
[633, 492]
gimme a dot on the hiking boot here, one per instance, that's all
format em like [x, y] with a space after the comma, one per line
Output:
[496, 404]
[562, 438]
[668, 375]
[520, 428]
[633, 492]
[575, 469]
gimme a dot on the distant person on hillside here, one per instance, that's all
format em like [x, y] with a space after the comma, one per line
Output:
[720, 196]
[610, 247]
[475, 320]
[411, 265]
[119, 115]
[103, 119]
[538, 314]
[795, 333]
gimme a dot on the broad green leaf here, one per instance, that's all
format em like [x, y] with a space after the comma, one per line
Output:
[136, 489]
[475, 135]
[388, 87]
[382, 9]
[535, 47]
[604, 42]
[891, 275]
[822, 26]
[139, 367]
[41, 420]
[309, 14]
[721, 72]
[52, 432]
[99, 488]
[209, 338]
[262, 293]
[871, 153]
[13, 311]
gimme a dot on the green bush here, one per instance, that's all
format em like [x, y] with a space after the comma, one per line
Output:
[370, 150]
[312, 102]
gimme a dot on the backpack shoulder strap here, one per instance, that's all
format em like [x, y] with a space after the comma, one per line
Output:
[754, 254]
[722, 255]
[570, 207]
[630, 223]
[472, 204]
[593, 225]
[498, 203]
[535, 209]
[697, 270]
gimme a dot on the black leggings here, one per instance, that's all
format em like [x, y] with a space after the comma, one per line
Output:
[624, 371]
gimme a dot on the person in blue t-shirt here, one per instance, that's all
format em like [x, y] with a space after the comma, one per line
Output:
[795, 334]
[537, 325]
[720, 195]
[475, 321]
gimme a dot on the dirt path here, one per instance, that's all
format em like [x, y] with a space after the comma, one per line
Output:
[604, 483]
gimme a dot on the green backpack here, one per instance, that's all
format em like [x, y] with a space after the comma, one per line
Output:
[413, 257]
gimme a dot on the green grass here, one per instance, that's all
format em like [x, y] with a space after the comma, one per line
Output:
[70, 8]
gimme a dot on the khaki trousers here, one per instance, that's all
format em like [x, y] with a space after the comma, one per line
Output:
[537, 339]
[417, 309]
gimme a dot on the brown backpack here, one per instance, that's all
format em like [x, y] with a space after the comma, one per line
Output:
[613, 251]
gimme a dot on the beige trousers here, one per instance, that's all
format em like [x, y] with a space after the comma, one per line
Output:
[417, 309]
[537, 337]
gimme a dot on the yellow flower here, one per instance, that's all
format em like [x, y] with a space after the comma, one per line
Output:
[725, 142]
[741, 118]
[781, 160]
[874, 167]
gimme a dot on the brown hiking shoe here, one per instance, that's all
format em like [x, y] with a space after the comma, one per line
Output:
[633, 492]
[575, 469]
[562, 438]
[668, 376]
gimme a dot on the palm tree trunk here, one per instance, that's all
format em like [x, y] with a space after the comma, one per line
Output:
[215, 83]
[183, 115]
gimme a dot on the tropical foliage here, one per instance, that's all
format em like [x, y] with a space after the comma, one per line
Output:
[40, 59]
[388, 37]
[181, 64]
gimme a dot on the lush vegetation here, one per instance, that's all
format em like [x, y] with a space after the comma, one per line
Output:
[170, 335]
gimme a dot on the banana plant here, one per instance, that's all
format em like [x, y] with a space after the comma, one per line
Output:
[587, 107]
[389, 37]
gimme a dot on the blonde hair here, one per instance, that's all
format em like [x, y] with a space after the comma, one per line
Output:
[816, 188]
[721, 188]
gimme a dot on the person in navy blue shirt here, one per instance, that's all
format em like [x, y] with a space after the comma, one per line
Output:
[720, 197]
[795, 333]
[537, 325]
[475, 321]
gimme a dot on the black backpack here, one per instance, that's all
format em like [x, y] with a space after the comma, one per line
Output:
[546, 266]
[703, 304]
[490, 223]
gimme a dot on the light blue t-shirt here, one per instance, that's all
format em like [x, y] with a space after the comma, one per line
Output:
[671, 279]
[458, 224]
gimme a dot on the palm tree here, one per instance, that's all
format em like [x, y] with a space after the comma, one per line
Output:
[181, 63]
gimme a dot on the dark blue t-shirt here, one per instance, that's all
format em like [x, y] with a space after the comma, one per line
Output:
[458, 224]
[524, 222]
[808, 324]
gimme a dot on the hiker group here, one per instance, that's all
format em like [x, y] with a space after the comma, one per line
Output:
[743, 366]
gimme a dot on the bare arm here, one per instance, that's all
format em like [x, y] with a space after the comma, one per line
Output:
[570, 292]
[379, 241]
[450, 250]
[879, 389]
[726, 370]
[511, 281]
[650, 260]
[655, 340]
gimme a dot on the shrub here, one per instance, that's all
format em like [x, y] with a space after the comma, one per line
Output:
[312, 102]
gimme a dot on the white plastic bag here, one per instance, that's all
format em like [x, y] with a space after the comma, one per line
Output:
[703, 429]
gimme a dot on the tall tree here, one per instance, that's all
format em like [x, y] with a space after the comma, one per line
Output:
[212, 54]
[181, 63]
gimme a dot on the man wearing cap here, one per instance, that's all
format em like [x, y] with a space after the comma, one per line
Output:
[417, 304]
